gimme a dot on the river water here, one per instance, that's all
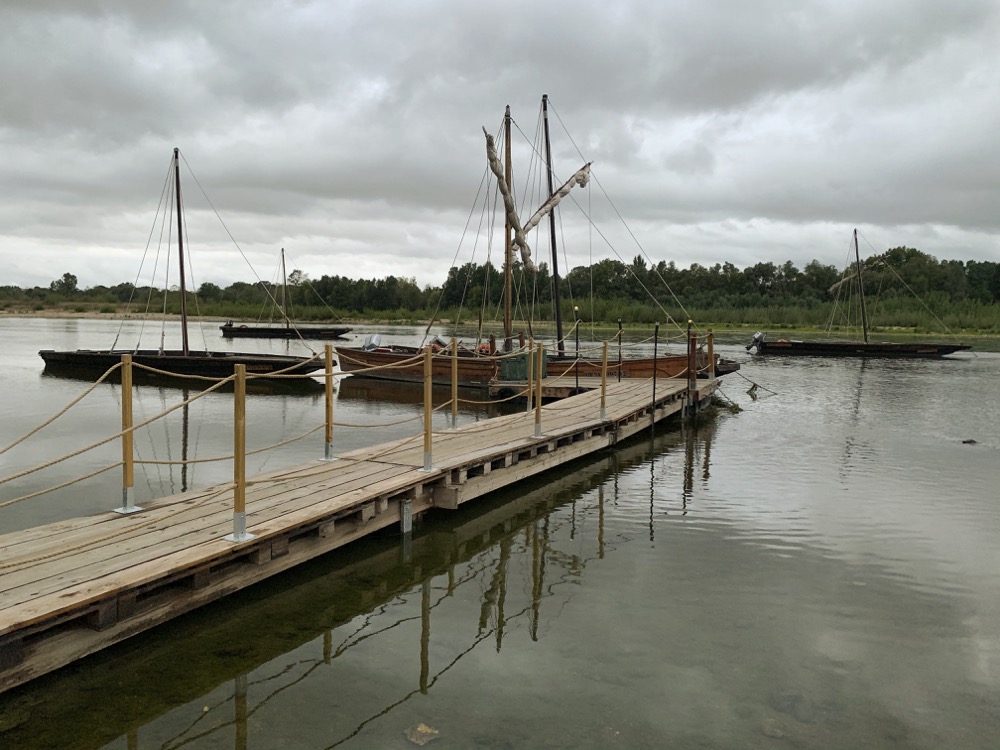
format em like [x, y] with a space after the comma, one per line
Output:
[818, 570]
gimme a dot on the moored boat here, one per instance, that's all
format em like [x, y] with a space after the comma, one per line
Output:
[185, 361]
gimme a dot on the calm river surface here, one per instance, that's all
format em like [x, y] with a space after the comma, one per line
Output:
[821, 570]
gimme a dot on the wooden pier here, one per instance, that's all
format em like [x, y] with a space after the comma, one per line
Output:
[74, 587]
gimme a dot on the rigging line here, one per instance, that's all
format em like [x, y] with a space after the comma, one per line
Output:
[315, 291]
[627, 229]
[217, 216]
[670, 318]
[887, 265]
[145, 252]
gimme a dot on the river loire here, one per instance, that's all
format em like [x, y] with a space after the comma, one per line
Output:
[819, 570]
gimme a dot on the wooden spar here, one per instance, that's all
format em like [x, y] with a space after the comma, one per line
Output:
[284, 290]
[508, 249]
[180, 252]
[552, 230]
[861, 289]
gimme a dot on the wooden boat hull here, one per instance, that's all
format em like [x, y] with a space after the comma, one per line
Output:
[666, 366]
[480, 370]
[858, 349]
[206, 364]
[473, 369]
[233, 331]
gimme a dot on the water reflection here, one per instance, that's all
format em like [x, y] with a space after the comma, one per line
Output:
[509, 555]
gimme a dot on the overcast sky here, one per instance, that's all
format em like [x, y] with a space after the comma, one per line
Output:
[350, 133]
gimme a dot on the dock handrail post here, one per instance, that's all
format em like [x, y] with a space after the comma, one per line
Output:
[656, 364]
[530, 361]
[239, 456]
[128, 462]
[692, 357]
[454, 382]
[619, 350]
[328, 382]
[710, 340]
[428, 408]
[576, 363]
[604, 378]
[538, 389]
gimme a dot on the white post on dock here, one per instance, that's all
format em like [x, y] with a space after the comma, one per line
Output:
[454, 382]
[538, 390]
[239, 457]
[604, 378]
[428, 408]
[128, 464]
[328, 381]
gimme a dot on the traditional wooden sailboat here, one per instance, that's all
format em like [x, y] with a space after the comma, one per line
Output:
[863, 348]
[285, 330]
[482, 364]
[184, 361]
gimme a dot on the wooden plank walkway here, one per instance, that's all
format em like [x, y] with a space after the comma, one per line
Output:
[74, 587]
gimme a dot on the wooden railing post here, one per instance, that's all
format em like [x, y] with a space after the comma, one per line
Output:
[711, 353]
[240, 456]
[604, 378]
[428, 407]
[692, 357]
[530, 361]
[538, 390]
[328, 382]
[128, 464]
[454, 382]
[656, 366]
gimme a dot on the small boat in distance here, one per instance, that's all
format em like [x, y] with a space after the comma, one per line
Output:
[231, 330]
[184, 361]
[865, 348]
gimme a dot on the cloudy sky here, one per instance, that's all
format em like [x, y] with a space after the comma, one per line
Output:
[350, 132]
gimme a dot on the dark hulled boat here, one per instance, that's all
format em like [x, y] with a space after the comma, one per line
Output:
[231, 330]
[182, 362]
[865, 348]
[287, 330]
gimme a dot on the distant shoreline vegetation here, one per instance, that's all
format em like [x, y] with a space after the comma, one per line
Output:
[920, 295]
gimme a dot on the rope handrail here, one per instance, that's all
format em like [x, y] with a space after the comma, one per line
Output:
[106, 440]
[65, 484]
[62, 411]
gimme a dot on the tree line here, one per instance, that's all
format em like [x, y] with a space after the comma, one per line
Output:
[906, 280]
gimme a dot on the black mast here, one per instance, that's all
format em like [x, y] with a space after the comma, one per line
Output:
[552, 230]
[180, 252]
[861, 288]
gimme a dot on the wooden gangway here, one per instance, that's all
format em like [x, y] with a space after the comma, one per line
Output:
[73, 587]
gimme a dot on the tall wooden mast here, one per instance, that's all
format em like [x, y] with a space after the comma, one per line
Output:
[180, 251]
[508, 244]
[284, 290]
[861, 288]
[552, 231]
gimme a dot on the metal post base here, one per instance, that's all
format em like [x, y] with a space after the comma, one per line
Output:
[427, 462]
[239, 529]
[128, 502]
[328, 453]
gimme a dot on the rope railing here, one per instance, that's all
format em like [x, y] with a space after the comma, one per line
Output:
[531, 389]
[65, 409]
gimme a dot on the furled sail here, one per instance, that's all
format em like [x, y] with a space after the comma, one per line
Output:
[508, 201]
[581, 178]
